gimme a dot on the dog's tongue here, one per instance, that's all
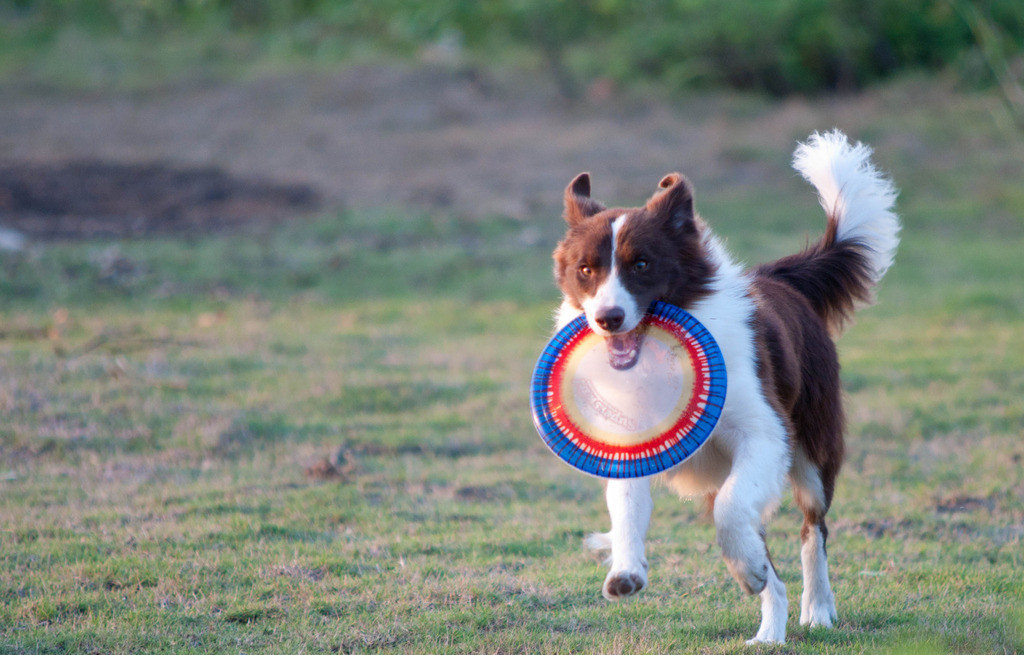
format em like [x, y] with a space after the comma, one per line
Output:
[623, 349]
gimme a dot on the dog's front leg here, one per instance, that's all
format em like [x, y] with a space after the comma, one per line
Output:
[629, 505]
[742, 503]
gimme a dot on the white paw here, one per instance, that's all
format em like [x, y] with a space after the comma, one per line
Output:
[620, 584]
[771, 632]
[752, 579]
[818, 615]
[767, 639]
[774, 612]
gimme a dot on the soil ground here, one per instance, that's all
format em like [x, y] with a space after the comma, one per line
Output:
[83, 199]
[198, 157]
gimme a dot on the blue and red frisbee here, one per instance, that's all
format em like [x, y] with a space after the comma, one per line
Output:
[630, 423]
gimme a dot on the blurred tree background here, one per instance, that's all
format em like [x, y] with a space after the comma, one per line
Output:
[780, 47]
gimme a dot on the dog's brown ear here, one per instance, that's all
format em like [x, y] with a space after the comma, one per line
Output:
[669, 181]
[579, 206]
[673, 200]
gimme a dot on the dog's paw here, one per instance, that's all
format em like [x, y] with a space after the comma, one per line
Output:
[620, 584]
[767, 639]
[818, 615]
[752, 579]
[773, 628]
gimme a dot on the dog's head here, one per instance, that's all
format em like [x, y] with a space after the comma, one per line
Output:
[613, 263]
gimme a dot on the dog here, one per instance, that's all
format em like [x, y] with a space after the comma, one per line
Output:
[783, 416]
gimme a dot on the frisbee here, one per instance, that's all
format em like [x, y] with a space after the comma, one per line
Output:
[636, 422]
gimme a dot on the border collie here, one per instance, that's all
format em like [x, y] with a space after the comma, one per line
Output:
[783, 415]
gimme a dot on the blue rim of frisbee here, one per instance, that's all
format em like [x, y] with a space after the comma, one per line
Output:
[671, 448]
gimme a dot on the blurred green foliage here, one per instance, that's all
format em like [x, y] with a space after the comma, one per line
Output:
[781, 47]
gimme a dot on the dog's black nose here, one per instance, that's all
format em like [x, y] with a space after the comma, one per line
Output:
[611, 319]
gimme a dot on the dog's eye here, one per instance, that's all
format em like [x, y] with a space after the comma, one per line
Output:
[585, 271]
[641, 266]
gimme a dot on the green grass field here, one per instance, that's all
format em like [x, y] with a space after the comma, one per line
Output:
[161, 401]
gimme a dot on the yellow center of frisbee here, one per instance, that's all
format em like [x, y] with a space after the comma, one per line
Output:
[630, 407]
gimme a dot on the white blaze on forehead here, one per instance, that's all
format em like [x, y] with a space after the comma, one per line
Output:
[612, 293]
[616, 227]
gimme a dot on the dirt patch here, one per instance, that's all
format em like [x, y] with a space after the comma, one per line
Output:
[426, 138]
[84, 199]
[961, 503]
[484, 494]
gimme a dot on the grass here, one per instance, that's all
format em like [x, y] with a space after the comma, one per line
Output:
[159, 417]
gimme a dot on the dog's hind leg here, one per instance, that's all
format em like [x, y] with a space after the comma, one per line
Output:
[774, 609]
[817, 603]
[629, 505]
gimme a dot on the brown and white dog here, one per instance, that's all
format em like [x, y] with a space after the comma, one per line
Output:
[783, 415]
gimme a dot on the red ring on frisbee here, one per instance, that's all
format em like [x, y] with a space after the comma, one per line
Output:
[634, 423]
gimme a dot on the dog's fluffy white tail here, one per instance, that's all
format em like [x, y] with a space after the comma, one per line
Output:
[854, 194]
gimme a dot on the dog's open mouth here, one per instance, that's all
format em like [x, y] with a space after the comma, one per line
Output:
[624, 349]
